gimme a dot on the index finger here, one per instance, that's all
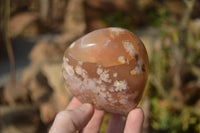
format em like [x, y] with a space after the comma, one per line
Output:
[75, 103]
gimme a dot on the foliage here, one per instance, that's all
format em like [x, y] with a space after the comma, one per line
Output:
[166, 118]
[157, 16]
[172, 111]
[118, 19]
[174, 66]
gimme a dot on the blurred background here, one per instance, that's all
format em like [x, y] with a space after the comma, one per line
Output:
[35, 33]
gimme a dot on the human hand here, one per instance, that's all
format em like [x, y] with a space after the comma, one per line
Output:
[85, 119]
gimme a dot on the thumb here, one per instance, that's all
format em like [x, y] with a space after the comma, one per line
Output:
[69, 121]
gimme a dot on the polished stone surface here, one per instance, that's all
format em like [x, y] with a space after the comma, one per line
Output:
[108, 68]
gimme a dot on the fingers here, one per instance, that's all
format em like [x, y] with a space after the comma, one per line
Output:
[134, 121]
[94, 124]
[75, 103]
[69, 121]
[116, 124]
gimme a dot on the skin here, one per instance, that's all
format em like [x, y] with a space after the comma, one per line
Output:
[85, 119]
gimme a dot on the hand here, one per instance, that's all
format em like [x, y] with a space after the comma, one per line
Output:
[83, 118]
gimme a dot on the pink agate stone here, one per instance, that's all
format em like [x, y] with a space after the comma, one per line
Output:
[107, 68]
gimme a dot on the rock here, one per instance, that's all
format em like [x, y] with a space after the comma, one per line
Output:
[61, 95]
[46, 89]
[110, 5]
[113, 69]
[30, 31]
[93, 15]
[40, 91]
[125, 5]
[19, 5]
[29, 74]
[74, 24]
[58, 9]
[44, 51]
[107, 5]
[47, 112]
[53, 71]
[14, 93]
[75, 17]
[11, 129]
[2, 99]
[20, 22]
[51, 14]
[62, 41]
[37, 84]
[45, 83]
[19, 118]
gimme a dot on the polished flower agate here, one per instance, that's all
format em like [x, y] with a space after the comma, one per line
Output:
[107, 68]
